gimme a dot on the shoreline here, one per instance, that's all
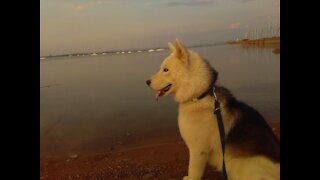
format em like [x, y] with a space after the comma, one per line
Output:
[273, 42]
[146, 158]
[261, 41]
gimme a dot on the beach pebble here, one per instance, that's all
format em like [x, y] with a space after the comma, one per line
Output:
[73, 156]
[148, 175]
[123, 160]
[126, 159]
[120, 142]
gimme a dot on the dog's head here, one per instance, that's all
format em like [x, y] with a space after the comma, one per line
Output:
[183, 73]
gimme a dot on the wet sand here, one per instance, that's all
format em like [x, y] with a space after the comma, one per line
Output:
[153, 158]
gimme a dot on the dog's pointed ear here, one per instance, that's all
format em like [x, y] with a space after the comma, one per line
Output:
[181, 52]
[171, 47]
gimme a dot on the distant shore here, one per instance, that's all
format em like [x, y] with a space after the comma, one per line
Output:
[262, 41]
[272, 42]
[127, 51]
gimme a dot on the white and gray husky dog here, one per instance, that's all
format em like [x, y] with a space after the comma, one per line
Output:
[252, 152]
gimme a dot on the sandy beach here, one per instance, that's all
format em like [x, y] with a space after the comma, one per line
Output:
[145, 158]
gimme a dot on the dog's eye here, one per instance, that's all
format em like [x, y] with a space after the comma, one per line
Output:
[165, 70]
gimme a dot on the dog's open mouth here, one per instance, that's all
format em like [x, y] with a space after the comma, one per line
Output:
[162, 91]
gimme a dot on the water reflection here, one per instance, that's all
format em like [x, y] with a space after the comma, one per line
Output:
[93, 102]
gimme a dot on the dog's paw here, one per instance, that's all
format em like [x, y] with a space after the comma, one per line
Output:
[185, 178]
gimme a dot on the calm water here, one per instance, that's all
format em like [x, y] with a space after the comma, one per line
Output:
[97, 102]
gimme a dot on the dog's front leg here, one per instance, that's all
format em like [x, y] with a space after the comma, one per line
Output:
[197, 163]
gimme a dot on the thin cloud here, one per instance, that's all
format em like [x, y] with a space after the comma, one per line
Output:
[190, 3]
[198, 2]
[87, 4]
[235, 25]
[79, 7]
[243, 1]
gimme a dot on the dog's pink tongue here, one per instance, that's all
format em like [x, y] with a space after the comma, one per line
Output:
[158, 95]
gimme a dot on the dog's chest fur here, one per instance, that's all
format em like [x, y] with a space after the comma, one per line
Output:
[199, 129]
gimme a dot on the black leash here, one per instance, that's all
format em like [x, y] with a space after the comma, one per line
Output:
[217, 112]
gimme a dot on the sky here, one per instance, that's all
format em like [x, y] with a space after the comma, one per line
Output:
[77, 26]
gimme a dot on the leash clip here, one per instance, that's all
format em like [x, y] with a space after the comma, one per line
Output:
[214, 94]
[216, 102]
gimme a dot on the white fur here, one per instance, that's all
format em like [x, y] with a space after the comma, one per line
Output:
[190, 76]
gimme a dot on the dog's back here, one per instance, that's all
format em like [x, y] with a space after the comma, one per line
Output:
[251, 146]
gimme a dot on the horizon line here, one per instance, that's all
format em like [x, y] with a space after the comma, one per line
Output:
[130, 49]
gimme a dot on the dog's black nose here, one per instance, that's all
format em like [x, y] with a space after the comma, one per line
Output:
[148, 82]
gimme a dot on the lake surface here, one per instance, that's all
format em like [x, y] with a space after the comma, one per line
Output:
[95, 102]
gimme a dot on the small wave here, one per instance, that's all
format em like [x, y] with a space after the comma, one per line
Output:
[49, 85]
